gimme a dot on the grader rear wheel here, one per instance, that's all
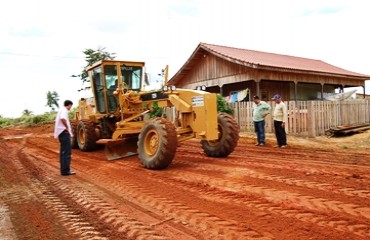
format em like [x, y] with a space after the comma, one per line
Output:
[227, 140]
[86, 137]
[74, 143]
[157, 144]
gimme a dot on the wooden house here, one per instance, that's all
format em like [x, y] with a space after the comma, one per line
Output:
[227, 70]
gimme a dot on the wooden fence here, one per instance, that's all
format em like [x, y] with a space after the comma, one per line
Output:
[309, 118]
[305, 118]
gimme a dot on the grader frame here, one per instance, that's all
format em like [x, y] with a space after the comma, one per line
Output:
[117, 116]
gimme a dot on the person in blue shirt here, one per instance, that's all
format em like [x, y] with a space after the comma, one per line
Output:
[260, 110]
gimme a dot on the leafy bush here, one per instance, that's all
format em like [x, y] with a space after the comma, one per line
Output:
[223, 105]
[28, 120]
[35, 119]
[5, 122]
[156, 111]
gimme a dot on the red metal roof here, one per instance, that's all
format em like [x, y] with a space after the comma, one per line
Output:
[257, 59]
[277, 60]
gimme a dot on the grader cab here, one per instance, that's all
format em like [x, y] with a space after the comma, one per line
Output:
[117, 116]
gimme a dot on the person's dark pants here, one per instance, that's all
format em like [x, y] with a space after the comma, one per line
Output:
[280, 133]
[259, 128]
[65, 152]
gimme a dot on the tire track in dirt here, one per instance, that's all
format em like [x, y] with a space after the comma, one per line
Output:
[344, 225]
[132, 228]
[308, 201]
[352, 192]
[305, 201]
[223, 191]
[341, 170]
[210, 225]
[36, 189]
[310, 156]
[6, 226]
[318, 169]
[71, 218]
[300, 155]
[321, 220]
[173, 211]
[106, 213]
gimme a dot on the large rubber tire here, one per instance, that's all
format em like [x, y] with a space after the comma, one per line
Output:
[86, 137]
[228, 137]
[157, 144]
[74, 143]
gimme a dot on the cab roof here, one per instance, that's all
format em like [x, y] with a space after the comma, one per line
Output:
[114, 62]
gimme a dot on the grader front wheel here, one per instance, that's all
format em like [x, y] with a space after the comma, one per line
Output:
[227, 140]
[157, 144]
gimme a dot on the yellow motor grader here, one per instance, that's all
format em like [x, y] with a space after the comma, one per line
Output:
[117, 116]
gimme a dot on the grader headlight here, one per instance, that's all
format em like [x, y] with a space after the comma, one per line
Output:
[168, 88]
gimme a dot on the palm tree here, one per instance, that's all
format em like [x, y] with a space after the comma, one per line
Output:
[26, 112]
[52, 99]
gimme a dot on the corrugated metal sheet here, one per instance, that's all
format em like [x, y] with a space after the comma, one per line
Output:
[277, 60]
[264, 60]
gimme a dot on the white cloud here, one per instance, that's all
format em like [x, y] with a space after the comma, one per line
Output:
[50, 36]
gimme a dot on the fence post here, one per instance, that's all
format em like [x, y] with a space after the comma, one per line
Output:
[311, 119]
[238, 110]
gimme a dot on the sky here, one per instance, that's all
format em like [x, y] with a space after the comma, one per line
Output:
[42, 41]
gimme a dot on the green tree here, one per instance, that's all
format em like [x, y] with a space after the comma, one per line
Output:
[91, 57]
[26, 112]
[52, 100]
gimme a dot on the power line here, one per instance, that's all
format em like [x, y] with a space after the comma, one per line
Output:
[33, 55]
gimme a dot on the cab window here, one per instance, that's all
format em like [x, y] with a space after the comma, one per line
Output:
[131, 76]
[99, 90]
[111, 82]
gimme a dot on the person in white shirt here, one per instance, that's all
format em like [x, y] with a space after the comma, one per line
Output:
[280, 119]
[63, 132]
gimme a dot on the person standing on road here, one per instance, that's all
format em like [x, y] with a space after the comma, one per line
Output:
[260, 110]
[280, 119]
[63, 132]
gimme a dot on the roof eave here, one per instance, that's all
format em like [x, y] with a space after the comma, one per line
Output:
[195, 52]
[262, 67]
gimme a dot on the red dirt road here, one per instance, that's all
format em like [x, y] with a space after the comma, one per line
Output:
[311, 192]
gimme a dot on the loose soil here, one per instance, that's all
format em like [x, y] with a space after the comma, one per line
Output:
[315, 189]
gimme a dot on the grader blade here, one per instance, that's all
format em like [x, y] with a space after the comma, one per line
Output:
[117, 149]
